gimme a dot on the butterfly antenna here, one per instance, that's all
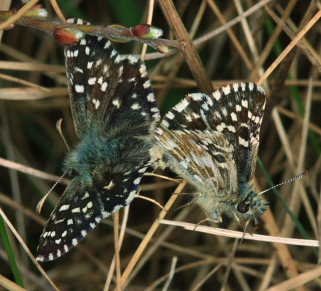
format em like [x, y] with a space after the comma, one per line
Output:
[58, 126]
[300, 176]
[43, 199]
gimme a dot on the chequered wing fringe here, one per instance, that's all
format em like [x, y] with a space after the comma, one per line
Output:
[235, 110]
[114, 114]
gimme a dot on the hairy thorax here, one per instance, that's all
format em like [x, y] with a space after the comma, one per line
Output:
[97, 151]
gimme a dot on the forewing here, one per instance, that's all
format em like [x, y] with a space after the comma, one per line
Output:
[80, 209]
[107, 88]
[235, 110]
[204, 158]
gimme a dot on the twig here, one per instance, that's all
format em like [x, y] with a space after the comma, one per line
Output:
[290, 46]
[239, 234]
[171, 274]
[149, 235]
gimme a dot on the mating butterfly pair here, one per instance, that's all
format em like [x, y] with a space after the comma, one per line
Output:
[211, 141]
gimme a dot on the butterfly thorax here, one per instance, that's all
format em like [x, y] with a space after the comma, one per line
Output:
[98, 150]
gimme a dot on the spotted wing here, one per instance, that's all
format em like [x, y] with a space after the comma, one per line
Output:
[81, 208]
[204, 158]
[235, 110]
[107, 88]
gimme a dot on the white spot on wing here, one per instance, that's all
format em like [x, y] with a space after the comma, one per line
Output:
[151, 97]
[135, 106]
[64, 207]
[75, 210]
[231, 128]
[245, 103]
[116, 103]
[104, 87]
[217, 95]
[110, 185]
[243, 142]
[233, 116]
[235, 87]
[113, 53]
[170, 115]
[79, 88]
[92, 80]
[146, 84]
[79, 70]
[165, 123]
[181, 106]
[226, 90]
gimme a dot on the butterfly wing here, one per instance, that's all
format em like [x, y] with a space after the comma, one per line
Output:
[107, 88]
[234, 110]
[202, 157]
[82, 207]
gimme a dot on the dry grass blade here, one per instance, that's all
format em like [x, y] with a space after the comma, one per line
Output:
[199, 285]
[298, 280]
[27, 66]
[57, 9]
[231, 34]
[239, 234]
[312, 126]
[29, 94]
[273, 38]
[171, 274]
[191, 55]
[121, 238]
[9, 285]
[117, 250]
[149, 235]
[23, 244]
[19, 14]
[290, 46]
[31, 171]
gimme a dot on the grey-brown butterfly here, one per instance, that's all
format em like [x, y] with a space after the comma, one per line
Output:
[212, 142]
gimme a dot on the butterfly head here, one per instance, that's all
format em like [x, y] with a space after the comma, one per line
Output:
[248, 205]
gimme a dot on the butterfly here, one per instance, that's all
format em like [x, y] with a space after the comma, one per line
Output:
[212, 142]
[114, 114]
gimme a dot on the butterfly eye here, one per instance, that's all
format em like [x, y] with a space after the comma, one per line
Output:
[243, 207]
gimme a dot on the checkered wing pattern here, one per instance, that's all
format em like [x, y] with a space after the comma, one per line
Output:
[212, 142]
[235, 110]
[81, 209]
[114, 113]
[105, 86]
[203, 157]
